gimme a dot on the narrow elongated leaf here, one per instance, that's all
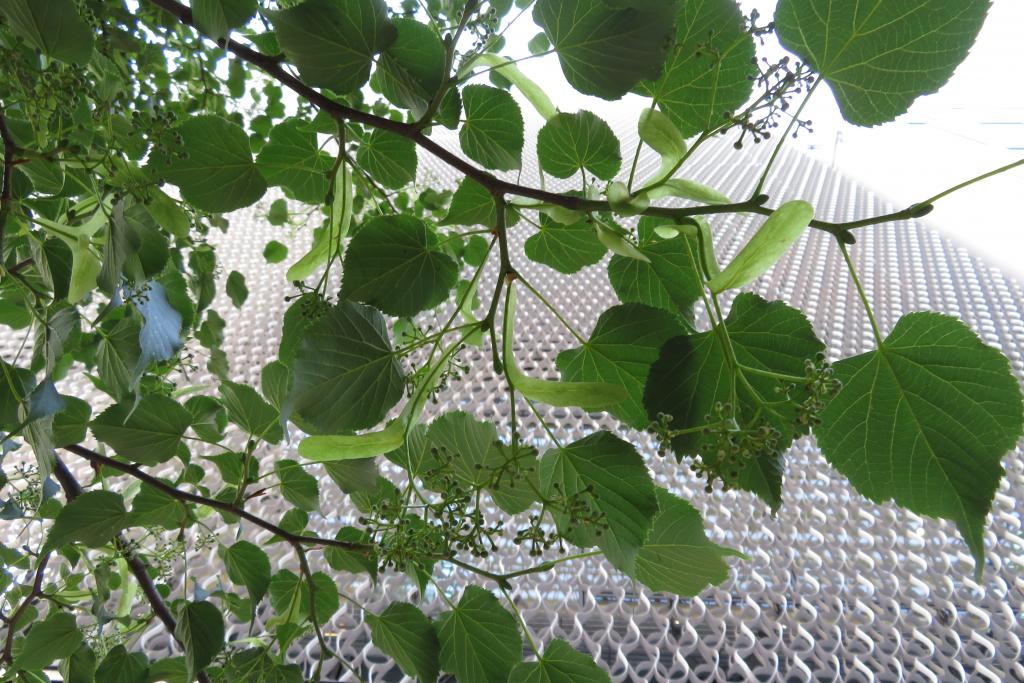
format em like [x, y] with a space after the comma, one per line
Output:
[924, 421]
[54, 638]
[599, 395]
[395, 263]
[624, 344]
[566, 248]
[91, 519]
[603, 50]
[560, 663]
[879, 57]
[353, 446]
[493, 132]
[293, 160]
[53, 26]
[333, 42]
[402, 631]
[530, 90]
[767, 246]
[620, 488]
[692, 374]
[479, 639]
[345, 376]
[216, 172]
[687, 189]
[707, 72]
[147, 433]
[660, 134]
[201, 632]
[677, 556]
[389, 157]
[570, 142]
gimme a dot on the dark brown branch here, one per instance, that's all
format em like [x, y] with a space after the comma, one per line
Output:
[36, 592]
[132, 470]
[7, 191]
[272, 67]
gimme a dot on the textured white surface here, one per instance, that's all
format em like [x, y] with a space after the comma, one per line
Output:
[837, 588]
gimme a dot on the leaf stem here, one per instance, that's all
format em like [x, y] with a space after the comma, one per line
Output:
[522, 622]
[967, 183]
[862, 293]
[551, 307]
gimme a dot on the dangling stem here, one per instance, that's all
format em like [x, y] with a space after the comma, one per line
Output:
[862, 293]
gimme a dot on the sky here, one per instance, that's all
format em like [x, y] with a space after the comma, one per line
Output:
[974, 124]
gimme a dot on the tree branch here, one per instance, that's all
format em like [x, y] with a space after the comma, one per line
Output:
[12, 622]
[7, 192]
[272, 67]
[230, 508]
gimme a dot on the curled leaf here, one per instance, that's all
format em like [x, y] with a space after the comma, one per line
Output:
[687, 189]
[618, 244]
[594, 395]
[660, 134]
[625, 204]
[531, 91]
[766, 247]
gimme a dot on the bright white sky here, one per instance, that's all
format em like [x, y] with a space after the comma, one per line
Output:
[975, 124]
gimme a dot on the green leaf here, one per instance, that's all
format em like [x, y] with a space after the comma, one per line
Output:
[216, 18]
[479, 639]
[566, 248]
[54, 638]
[298, 487]
[624, 344]
[170, 670]
[236, 289]
[692, 374]
[677, 556]
[247, 409]
[71, 423]
[148, 433]
[599, 395]
[293, 160]
[766, 247]
[622, 491]
[404, 633]
[275, 252]
[614, 237]
[396, 264]
[389, 158]
[468, 441]
[333, 43]
[345, 375]
[493, 132]
[570, 142]
[880, 57]
[605, 51]
[200, 631]
[414, 455]
[218, 173]
[507, 69]
[53, 26]
[669, 279]
[278, 213]
[153, 507]
[471, 204]
[121, 666]
[924, 421]
[325, 597]
[411, 70]
[80, 667]
[708, 70]
[354, 561]
[560, 663]
[91, 519]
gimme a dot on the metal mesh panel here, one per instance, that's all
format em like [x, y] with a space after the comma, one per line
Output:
[837, 588]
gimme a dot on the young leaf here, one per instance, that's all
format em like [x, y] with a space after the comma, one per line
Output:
[53, 26]
[924, 420]
[216, 173]
[566, 248]
[333, 43]
[692, 374]
[677, 556]
[54, 638]
[403, 632]
[530, 90]
[216, 18]
[394, 263]
[710, 66]
[293, 160]
[605, 51]
[621, 349]
[153, 507]
[275, 252]
[599, 395]
[248, 410]
[879, 58]
[560, 663]
[298, 487]
[345, 375]
[389, 158]
[570, 142]
[620, 488]
[201, 632]
[91, 519]
[236, 289]
[493, 132]
[479, 639]
[147, 433]
[766, 247]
